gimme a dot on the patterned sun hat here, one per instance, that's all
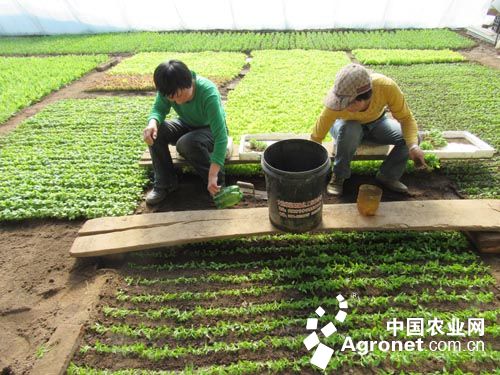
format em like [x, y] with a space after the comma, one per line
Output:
[351, 81]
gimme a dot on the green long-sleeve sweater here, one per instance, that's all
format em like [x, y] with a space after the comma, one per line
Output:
[205, 109]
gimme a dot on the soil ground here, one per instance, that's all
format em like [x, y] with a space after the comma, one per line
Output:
[41, 286]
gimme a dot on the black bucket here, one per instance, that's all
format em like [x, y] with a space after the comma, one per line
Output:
[296, 175]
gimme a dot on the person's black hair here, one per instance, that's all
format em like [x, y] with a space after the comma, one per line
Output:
[364, 96]
[172, 75]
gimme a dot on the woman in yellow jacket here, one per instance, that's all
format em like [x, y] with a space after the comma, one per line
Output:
[355, 110]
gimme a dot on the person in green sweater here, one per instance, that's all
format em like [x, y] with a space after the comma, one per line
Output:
[199, 133]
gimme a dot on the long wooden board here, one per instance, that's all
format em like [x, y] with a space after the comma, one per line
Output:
[461, 145]
[235, 158]
[140, 232]
[179, 160]
[485, 242]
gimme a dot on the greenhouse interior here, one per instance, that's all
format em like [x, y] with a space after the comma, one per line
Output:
[261, 187]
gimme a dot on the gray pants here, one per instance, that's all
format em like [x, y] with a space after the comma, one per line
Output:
[194, 144]
[349, 134]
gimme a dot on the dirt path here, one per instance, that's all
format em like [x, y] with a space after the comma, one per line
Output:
[484, 54]
[72, 91]
[41, 287]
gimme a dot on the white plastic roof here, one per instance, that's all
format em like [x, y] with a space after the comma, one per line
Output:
[42, 17]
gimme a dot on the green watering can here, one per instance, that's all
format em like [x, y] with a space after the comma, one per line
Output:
[228, 196]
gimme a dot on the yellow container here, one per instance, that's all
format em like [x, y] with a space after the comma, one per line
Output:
[368, 199]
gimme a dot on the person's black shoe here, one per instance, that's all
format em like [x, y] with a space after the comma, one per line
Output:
[391, 184]
[336, 186]
[157, 195]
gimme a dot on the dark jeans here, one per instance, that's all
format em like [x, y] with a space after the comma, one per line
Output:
[194, 144]
[348, 136]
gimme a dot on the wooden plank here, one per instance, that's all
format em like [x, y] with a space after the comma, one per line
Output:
[61, 348]
[159, 219]
[179, 161]
[176, 155]
[367, 150]
[485, 242]
[140, 232]
[461, 145]
[235, 158]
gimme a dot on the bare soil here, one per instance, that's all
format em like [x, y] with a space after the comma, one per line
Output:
[193, 195]
[41, 286]
[484, 53]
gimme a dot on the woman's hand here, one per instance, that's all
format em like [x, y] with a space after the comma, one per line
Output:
[417, 155]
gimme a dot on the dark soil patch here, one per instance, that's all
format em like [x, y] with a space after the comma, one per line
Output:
[193, 195]
[225, 87]
[109, 360]
[225, 358]
[41, 287]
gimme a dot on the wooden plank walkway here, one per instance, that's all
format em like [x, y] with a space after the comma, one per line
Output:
[461, 145]
[368, 151]
[485, 242]
[141, 232]
[179, 161]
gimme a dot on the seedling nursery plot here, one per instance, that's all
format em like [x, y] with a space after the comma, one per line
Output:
[384, 302]
[233, 41]
[136, 72]
[76, 158]
[241, 306]
[25, 80]
[281, 95]
[440, 101]
[405, 57]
